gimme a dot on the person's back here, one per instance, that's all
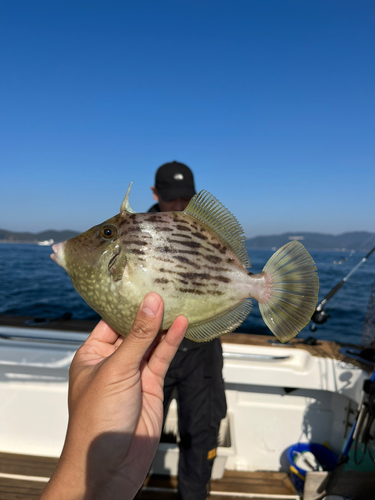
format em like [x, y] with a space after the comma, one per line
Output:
[196, 370]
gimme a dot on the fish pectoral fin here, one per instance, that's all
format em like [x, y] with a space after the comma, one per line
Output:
[117, 264]
[221, 325]
[207, 209]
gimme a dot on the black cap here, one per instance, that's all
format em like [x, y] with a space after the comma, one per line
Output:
[174, 180]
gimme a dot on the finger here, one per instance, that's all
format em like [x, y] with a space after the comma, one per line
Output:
[104, 333]
[162, 357]
[145, 328]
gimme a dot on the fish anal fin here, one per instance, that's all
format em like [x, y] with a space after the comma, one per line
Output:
[207, 209]
[221, 325]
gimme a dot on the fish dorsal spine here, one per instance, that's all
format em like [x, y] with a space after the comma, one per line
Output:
[125, 207]
[207, 209]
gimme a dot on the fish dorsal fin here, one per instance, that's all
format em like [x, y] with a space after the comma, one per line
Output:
[221, 325]
[207, 209]
[125, 207]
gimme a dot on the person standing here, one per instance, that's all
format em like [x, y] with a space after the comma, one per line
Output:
[196, 370]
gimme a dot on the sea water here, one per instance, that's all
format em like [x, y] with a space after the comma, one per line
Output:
[33, 285]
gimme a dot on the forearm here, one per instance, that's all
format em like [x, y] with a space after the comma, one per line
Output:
[67, 484]
[115, 408]
[69, 480]
[91, 472]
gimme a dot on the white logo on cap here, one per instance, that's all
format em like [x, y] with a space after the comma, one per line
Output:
[178, 177]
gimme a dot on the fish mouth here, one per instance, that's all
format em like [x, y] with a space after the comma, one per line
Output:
[58, 254]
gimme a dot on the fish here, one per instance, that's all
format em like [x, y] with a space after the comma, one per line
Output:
[197, 261]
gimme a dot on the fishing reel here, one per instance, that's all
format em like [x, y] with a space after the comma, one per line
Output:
[318, 318]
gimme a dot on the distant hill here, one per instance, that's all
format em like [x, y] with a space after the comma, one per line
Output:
[56, 236]
[315, 241]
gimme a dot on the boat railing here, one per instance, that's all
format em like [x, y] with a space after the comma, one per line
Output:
[253, 357]
[40, 336]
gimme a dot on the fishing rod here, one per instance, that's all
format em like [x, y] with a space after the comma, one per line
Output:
[320, 316]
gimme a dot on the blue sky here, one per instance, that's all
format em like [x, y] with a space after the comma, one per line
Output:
[271, 103]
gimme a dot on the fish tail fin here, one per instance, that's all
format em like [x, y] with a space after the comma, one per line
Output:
[293, 293]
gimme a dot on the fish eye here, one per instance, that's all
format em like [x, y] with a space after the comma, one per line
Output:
[108, 232]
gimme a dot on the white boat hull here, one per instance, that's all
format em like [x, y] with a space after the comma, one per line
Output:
[276, 396]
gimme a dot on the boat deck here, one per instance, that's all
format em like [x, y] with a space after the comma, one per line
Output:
[23, 476]
[233, 485]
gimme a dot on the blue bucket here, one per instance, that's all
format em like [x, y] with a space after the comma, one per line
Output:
[324, 456]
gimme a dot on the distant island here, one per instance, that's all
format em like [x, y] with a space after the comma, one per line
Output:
[358, 240]
[36, 238]
[362, 241]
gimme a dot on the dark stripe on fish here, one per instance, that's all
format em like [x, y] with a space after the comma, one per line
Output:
[182, 235]
[219, 247]
[153, 218]
[157, 219]
[190, 290]
[124, 222]
[136, 251]
[213, 258]
[191, 244]
[223, 279]
[134, 242]
[199, 235]
[217, 269]
[129, 229]
[165, 249]
[182, 228]
[190, 252]
[184, 260]
[203, 276]
[197, 283]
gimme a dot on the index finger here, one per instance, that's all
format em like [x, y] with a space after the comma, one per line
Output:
[162, 356]
[103, 333]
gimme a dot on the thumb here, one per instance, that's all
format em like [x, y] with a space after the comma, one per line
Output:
[145, 328]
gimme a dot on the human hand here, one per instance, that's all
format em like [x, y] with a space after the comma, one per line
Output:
[115, 407]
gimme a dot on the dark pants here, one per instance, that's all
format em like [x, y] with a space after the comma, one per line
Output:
[197, 374]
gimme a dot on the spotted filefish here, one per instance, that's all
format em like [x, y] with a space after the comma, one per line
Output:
[197, 261]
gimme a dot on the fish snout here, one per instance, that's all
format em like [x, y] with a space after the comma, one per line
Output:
[58, 253]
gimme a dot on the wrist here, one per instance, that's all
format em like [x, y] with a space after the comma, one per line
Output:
[80, 476]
